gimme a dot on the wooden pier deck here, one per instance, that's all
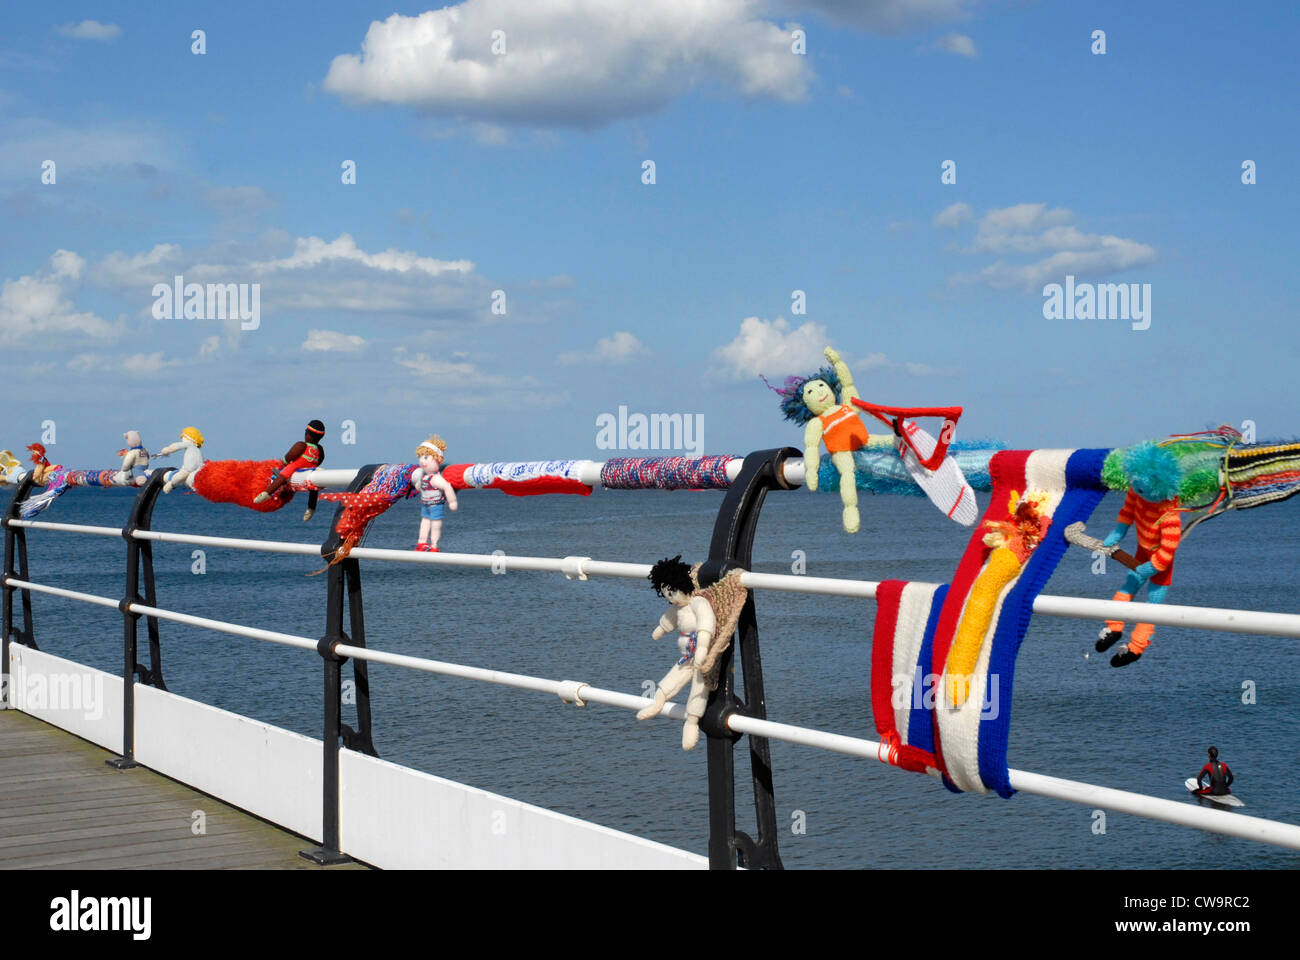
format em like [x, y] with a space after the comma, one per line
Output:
[62, 807]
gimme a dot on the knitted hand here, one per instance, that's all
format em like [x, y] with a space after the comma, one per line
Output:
[1116, 535]
[1147, 570]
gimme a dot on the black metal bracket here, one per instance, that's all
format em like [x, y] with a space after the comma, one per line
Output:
[139, 558]
[139, 563]
[15, 565]
[343, 578]
[732, 547]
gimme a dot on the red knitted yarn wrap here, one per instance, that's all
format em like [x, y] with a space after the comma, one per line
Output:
[239, 481]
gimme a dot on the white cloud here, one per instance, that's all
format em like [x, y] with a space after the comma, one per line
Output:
[957, 44]
[89, 30]
[439, 371]
[313, 251]
[331, 341]
[209, 347]
[1034, 229]
[772, 347]
[953, 215]
[140, 269]
[620, 348]
[136, 364]
[36, 312]
[581, 63]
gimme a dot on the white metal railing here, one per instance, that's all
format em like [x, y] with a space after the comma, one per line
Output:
[1214, 821]
[582, 568]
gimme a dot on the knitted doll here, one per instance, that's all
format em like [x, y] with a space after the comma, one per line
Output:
[135, 460]
[306, 454]
[705, 619]
[693, 618]
[433, 489]
[1152, 503]
[832, 420]
[1012, 542]
[191, 440]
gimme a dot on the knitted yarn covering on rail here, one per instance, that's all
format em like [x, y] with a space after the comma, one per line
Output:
[922, 631]
[666, 473]
[519, 479]
[390, 483]
[239, 481]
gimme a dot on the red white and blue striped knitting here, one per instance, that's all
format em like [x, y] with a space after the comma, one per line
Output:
[916, 625]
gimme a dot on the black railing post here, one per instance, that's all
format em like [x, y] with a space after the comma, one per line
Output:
[343, 578]
[731, 548]
[15, 565]
[137, 552]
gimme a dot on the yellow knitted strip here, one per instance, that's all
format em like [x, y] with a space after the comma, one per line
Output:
[1002, 568]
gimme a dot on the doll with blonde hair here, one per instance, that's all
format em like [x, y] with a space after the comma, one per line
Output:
[436, 494]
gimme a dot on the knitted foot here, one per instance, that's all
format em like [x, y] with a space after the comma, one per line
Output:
[167, 488]
[1124, 658]
[690, 733]
[262, 497]
[308, 514]
[1107, 639]
[653, 710]
[851, 520]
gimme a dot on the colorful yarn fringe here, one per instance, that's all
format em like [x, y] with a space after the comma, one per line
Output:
[391, 482]
[239, 481]
[934, 713]
[879, 469]
[666, 473]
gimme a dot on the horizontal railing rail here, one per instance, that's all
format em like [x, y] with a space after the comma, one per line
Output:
[580, 692]
[581, 568]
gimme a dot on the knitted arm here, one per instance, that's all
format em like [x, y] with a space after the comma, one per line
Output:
[442, 484]
[848, 391]
[1171, 533]
[171, 448]
[812, 452]
[666, 623]
[295, 451]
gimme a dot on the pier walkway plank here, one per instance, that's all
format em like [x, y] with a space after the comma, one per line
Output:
[62, 807]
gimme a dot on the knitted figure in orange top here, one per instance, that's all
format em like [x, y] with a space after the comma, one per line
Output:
[1152, 504]
[834, 421]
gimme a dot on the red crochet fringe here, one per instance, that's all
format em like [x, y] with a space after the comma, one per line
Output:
[239, 481]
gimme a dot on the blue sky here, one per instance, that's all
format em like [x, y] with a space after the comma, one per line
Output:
[522, 172]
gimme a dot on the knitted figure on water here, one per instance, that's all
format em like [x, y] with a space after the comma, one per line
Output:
[705, 619]
[832, 420]
[1152, 503]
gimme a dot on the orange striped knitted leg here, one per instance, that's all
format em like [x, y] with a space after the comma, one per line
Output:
[1117, 626]
[1141, 638]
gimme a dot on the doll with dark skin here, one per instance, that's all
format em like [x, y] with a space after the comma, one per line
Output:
[306, 454]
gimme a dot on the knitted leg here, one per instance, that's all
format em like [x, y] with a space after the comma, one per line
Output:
[848, 490]
[1140, 638]
[694, 710]
[1117, 626]
[673, 681]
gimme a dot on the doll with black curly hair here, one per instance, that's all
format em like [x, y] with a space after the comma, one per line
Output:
[691, 615]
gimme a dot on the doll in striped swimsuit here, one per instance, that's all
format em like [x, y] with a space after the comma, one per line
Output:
[1152, 505]
[434, 491]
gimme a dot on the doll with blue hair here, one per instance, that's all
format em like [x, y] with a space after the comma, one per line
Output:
[823, 403]
[1152, 504]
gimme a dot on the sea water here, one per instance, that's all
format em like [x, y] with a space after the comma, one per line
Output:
[1143, 728]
